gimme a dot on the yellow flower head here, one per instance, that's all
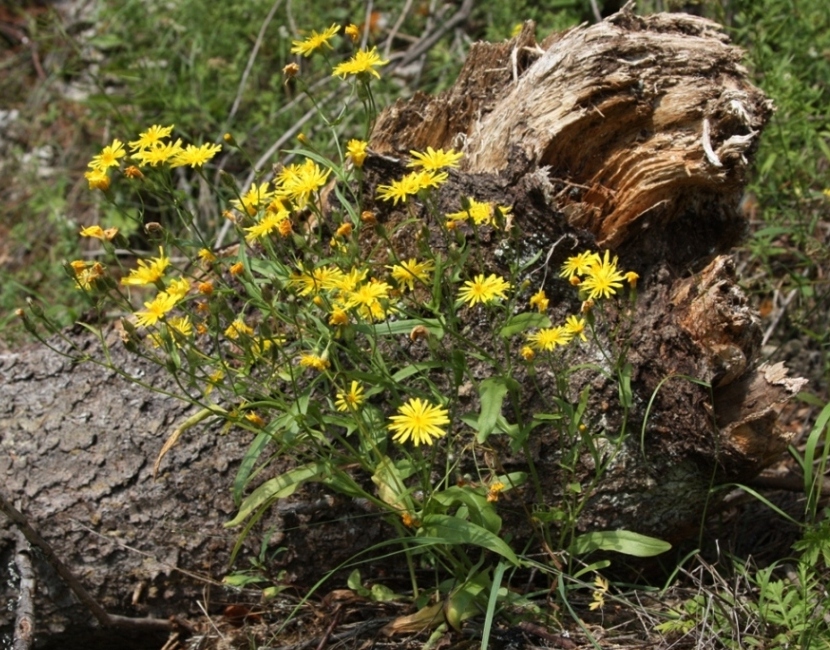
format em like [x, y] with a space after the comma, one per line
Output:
[161, 153]
[550, 338]
[480, 212]
[494, 491]
[527, 353]
[314, 42]
[180, 324]
[410, 185]
[575, 326]
[206, 255]
[99, 233]
[195, 156]
[155, 309]
[351, 399]
[320, 279]
[540, 301]
[236, 328]
[108, 157]
[339, 317]
[178, 288]
[148, 272]
[98, 179]
[631, 277]
[579, 264]
[151, 137]
[362, 61]
[408, 272]
[598, 597]
[356, 150]
[483, 290]
[314, 361]
[256, 196]
[367, 300]
[434, 160]
[300, 181]
[420, 421]
[602, 278]
[353, 32]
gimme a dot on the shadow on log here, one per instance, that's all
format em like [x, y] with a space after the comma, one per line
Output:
[634, 134]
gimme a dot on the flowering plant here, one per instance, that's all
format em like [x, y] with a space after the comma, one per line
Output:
[325, 337]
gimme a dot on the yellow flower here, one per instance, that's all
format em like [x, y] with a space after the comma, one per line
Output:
[339, 317]
[207, 256]
[602, 278]
[315, 41]
[367, 300]
[579, 264]
[362, 61]
[86, 273]
[97, 179]
[356, 150]
[344, 230]
[299, 181]
[481, 212]
[178, 288]
[108, 157]
[351, 399]
[549, 338]
[272, 221]
[406, 273]
[483, 290]
[99, 233]
[575, 326]
[160, 153]
[317, 280]
[598, 597]
[236, 328]
[249, 202]
[255, 419]
[205, 288]
[420, 421]
[155, 309]
[314, 361]
[195, 156]
[151, 137]
[540, 301]
[133, 172]
[410, 185]
[493, 492]
[148, 272]
[353, 32]
[433, 160]
[181, 324]
[237, 269]
[527, 353]
[631, 277]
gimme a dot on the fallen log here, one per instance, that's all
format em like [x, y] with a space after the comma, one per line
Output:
[636, 135]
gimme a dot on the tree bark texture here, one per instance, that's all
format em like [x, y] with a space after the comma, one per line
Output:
[634, 134]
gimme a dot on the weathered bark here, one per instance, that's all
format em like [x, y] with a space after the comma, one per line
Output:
[634, 135]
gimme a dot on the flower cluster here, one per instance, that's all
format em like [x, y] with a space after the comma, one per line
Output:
[597, 278]
[152, 148]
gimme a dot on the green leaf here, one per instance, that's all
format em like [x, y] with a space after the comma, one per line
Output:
[248, 462]
[399, 327]
[621, 541]
[491, 392]
[521, 322]
[457, 531]
[277, 488]
[482, 512]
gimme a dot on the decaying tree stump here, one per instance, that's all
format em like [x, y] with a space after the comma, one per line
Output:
[634, 134]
